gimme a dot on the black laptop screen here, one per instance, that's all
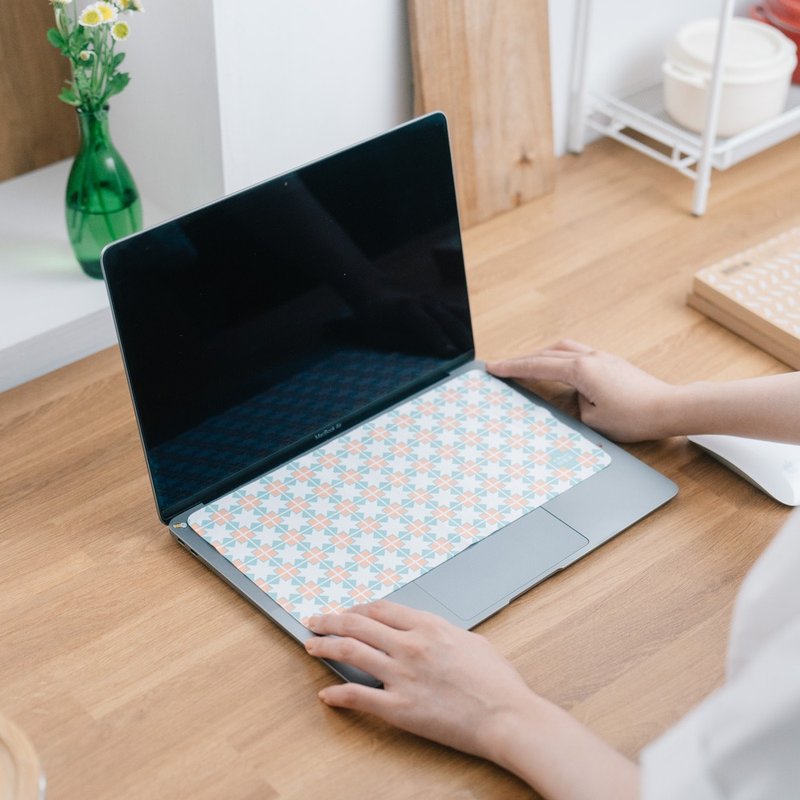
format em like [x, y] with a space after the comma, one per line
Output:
[273, 318]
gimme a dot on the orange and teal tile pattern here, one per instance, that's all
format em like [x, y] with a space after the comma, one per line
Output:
[377, 507]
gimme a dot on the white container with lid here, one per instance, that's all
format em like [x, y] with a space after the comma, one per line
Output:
[758, 66]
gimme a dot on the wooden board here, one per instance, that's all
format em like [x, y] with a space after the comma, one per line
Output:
[487, 66]
[36, 128]
[789, 355]
[760, 287]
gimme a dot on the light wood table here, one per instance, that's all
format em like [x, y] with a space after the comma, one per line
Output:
[137, 673]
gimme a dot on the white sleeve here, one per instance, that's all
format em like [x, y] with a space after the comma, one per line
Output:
[742, 742]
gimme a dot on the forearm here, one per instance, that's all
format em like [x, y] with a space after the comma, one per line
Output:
[764, 408]
[559, 757]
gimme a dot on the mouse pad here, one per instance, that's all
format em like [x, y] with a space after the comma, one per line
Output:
[380, 505]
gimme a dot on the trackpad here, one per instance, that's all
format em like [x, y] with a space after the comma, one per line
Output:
[503, 564]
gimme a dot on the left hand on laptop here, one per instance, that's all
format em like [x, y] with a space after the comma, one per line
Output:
[440, 682]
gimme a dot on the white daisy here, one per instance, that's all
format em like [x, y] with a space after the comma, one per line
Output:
[90, 17]
[120, 30]
[107, 11]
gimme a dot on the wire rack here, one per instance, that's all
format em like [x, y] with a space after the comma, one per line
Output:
[627, 119]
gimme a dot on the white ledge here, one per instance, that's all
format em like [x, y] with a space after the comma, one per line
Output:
[51, 313]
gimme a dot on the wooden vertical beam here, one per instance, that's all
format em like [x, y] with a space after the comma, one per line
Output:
[487, 66]
[35, 127]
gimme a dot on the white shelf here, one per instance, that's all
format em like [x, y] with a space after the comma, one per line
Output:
[644, 112]
[50, 312]
[692, 154]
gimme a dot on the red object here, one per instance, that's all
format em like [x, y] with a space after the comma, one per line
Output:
[785, 16]
[786, 12]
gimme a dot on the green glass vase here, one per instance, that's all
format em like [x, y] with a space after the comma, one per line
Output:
[102, 202]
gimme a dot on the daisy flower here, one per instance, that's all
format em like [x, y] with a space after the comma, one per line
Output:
[88, 38]
[90, 17]
[106, 10]
[120, 31]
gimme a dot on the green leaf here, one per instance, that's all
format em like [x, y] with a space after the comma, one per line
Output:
[118, 58]
[77, 40]
[117, 83]
[56, 39]
[82, 82]
[68, 96]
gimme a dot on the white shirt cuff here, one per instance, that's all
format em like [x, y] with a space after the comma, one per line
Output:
[676, 766]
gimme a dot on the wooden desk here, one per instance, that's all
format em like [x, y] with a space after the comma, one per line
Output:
[137, 673]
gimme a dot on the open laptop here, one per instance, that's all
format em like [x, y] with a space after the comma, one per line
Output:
[316, 428]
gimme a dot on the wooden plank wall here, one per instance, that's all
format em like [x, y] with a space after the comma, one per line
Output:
[36, 128]
[487, 66]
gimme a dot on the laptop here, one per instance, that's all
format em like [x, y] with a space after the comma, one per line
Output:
[315, 424]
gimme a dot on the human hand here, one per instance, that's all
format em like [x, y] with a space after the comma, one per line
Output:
[451, 686]
[614, 397]
[439, 681]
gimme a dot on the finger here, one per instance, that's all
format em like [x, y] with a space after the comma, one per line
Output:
[352, 652]
[402, 618]
[357, 697]
[519, 366]
[573, 346]
[545, 368]
[553, 353]
[356, 626]
[507, 367]
[564, 348]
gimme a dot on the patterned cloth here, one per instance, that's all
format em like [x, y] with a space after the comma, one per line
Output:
[377, 507]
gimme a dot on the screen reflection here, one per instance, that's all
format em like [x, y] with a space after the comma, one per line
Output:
[277, 316]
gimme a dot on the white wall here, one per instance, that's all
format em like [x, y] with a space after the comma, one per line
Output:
[166, 122]
[223, 95]
[300, 79]
[226, 94]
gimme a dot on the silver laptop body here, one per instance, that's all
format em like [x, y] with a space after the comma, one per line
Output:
[295, 265]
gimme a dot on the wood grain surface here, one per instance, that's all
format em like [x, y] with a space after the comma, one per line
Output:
[137, 673]
[487, 66]
[36, 128]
